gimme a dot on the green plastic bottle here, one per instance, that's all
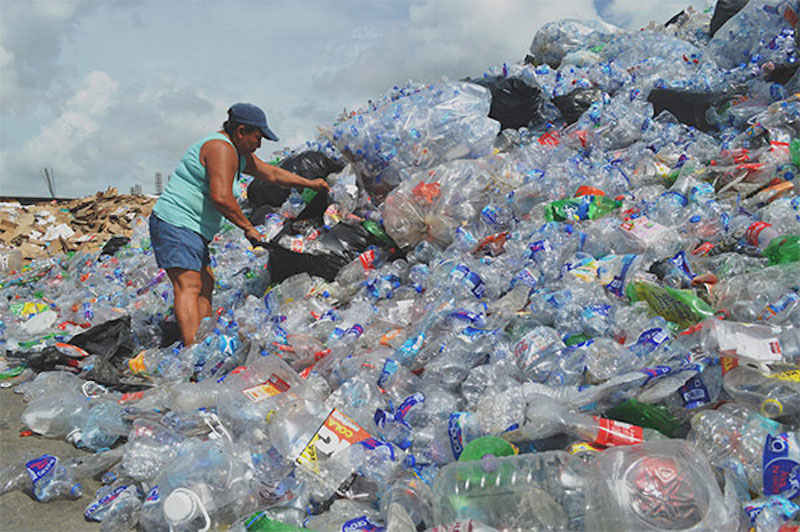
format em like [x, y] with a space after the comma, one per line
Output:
[486, 445]
[646, 415]
[587, 207]
[794, 151]
[682, 307]
[258, 522]
[783, 249]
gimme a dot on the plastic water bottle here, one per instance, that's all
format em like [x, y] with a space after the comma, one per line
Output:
[539, 491]
[773, 394]
[734, 437]
[545, 417]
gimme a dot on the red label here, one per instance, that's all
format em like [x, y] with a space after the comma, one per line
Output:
[753, 231]
[367, 259]
[549, 139]
[130, 396]
[429, 191]
[614, 432]
[728, 363]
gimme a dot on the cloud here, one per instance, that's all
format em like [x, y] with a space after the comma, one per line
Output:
[108, 95]
[452, 38]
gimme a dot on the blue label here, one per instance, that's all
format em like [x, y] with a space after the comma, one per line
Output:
[694, 393]
[39, 467]
[455, 434]
[682, 264]
[361, 524]
[475, 284]
[655, 372]
[373, 443]
[152, 495]
[596, 310]
[525, 277]
[781, 469]
[389, 369]
[490, 215]
[653, 337]
[406, 406]
[94, 507]
[411, 346]
[539, 249]
[617, 284]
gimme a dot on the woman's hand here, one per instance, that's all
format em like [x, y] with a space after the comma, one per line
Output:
[319, 185]
[254, 236]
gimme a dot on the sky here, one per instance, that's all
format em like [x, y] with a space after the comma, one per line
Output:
[109, 92]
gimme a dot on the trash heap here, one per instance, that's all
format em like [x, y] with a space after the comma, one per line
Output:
[50, 229]
[587, 322]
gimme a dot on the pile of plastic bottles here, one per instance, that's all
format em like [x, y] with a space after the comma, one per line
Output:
[593, 325]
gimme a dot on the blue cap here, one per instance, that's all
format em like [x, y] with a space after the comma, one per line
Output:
[249, 115]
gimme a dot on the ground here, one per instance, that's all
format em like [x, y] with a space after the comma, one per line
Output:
[19, 511]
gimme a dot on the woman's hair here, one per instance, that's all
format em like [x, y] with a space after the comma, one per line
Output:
[230, 126]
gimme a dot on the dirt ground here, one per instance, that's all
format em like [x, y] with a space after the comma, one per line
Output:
[19, 511]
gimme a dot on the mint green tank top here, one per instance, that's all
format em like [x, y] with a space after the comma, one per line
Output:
[186, 201]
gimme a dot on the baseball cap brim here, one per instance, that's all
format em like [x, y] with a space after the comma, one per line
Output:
[268, 134]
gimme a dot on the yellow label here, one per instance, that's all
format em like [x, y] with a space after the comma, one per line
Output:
[308, 458]
[136, 364]
[791, 375]
[274, 386]
[583, 447]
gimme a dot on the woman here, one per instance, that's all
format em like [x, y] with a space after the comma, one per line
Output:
[200, 191]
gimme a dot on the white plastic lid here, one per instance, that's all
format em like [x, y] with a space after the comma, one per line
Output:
[179, 506]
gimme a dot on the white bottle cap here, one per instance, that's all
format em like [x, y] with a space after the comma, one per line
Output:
[180, 506]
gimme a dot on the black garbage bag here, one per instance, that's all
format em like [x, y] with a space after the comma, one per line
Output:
[112, 342]
[48, 359]
[260, 193]
[284, 263]
[309, 164]
[515, 104]
[723, 11]
[574, 104]
[114, 244]
[343, 243]
[688, 107]
[312, 164]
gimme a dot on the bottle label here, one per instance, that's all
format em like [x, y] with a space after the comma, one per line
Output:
[270, 388]
[644, 230]
[617, 284]
[39, 467]
[655, 372]
[406, 406]
[367, 259]
[390, 367]
[612, 432]
[152, 495]
[338, 432]
[751, 235]
[779, 306]
[791, 375]
[528, 349]
[129, 397]
[362, 524]
[781, 465]
[455, 434]
[93, 508]
[136, 364]
[694, 393]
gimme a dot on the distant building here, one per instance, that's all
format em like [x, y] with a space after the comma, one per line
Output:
[159, 184]
[136, 190]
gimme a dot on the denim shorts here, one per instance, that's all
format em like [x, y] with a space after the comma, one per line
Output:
[176, 247]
